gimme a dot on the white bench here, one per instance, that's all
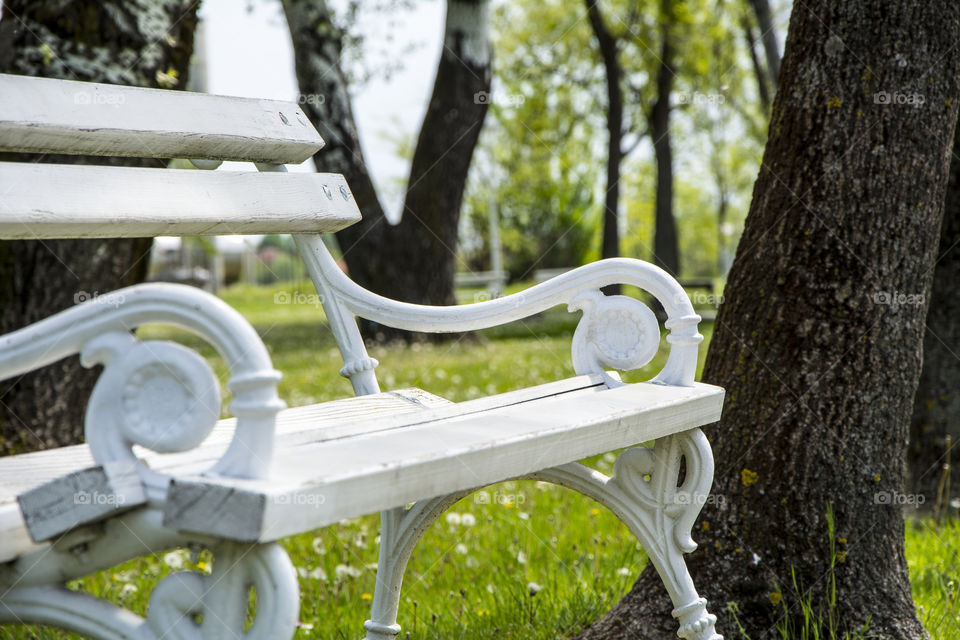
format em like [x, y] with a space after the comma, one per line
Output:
[159, 470]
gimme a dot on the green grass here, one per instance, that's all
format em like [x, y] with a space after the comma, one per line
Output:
[473, 574]
[933, 555]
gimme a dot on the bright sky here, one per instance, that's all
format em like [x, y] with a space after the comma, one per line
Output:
[248, 53]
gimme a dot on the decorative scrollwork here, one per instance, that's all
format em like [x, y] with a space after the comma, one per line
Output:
[158, 395]
[615, 331]
[648, 476]
[188, 605]
[154, 394]
[643, 493]
[169, 396]
[662, 515]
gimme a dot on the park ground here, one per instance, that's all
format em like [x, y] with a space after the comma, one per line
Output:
[516, 560]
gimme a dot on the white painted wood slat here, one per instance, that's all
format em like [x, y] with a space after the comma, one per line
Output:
[44, 115]
[318, 484]
[355, 456]
[295, 426]
[79, 201]
[25, 472]
[85, 496]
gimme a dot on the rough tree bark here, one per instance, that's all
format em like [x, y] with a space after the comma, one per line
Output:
[609, 53]
[414, 260]
[144, 43]
[936, 407]
[819, 341]
[666, 253]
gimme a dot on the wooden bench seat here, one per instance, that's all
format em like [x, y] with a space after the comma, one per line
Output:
[360, 455]
[433, 453]
[23, 473]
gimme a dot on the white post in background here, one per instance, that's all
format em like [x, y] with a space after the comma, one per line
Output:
[219, 270]
[198, 62]
[496, 250]
[186, 255]
[248, 263]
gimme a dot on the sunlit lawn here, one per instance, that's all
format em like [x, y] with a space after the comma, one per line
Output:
[524, 560]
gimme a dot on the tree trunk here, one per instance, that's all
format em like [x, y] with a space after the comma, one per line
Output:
[819, 341]
[768, 35]
[763, 79]
[415, 260]
[324, 94]
[665, 250]
[607, 44]
[936, 407]
[144, 44]
[423, 247]
[723, 205]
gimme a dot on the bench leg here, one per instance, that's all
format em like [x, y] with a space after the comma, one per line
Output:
[400, 531]
[642, 492]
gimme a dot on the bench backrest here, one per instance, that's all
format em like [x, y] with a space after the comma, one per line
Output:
[51, 201]
[39, 200]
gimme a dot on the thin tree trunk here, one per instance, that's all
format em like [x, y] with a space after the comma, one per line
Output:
[936, 407]
[723, 205]
[768, 35]
[324, 95]
[423, 247]
[763, 80]
[415, 260]
[666, 253]
[147, 44]
[607, 43]
[820, 369]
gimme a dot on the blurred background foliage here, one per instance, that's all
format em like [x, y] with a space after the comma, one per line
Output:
[542, 154]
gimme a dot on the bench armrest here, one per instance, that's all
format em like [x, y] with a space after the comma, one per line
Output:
[619, 332]
[159, 395]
